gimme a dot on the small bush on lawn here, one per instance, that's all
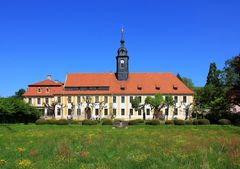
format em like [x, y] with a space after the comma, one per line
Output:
[224, 122]
[62, 122]
[74, 121]
[89, 122]
[51, 121]
[195, 122]
[179, 122]
[169, 122]
[136, 121]
[203, 122]
[107, 122]
[40, 122]
[188, 122]
[152, 122]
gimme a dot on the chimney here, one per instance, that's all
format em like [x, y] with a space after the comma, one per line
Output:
[49, 77]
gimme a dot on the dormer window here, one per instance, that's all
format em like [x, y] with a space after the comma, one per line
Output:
[175, 87]
[139, 87]
[157, 86]
[122, 63]
[39, 90]
[47, 90]
[122, 87]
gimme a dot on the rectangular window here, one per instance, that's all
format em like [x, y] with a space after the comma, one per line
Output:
[38, 100]
[105, 112]
[176, 99]
[58, 111]
[114, 99]
[69, 112]
[105, 99]
[166, 111]
[30, 100]
[122, 112]
[79, 112]
[139, 112]
[148, 112]
[46, 100]
[79, 99]
[114, 112]
[131, 111]
[96, 99]
[130, 99]
[122, 99]
[184, 99]
[59, 99]
[69, 99]
[175, 111]
[96, 112]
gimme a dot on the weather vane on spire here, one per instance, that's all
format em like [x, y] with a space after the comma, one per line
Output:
[122, 38]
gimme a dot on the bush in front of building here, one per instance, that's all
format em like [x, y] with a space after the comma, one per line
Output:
[107, 122]
[89, 122]
[74, 121]
[203, 122]
[62, 122]
[51, 121]
[169, 122]
[179, 122]
[188, 122]
[135, 121]
[224, 122]
[40, 121]
[152, 122]
[195, 122]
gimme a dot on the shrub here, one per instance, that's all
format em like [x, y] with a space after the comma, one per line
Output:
[74, 121]
[188, 122]
[62, 122]
[167, 122]
[224, 122]
[195, 122]
[40, 121]
[152, 122]
[179, 122]
[203, 121]
[136, 121]
[89, 122]
[107, 122]
[51, 121]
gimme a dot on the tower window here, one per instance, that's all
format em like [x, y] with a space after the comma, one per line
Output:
[122, 63]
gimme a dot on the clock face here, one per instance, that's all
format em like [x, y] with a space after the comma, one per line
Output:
[122, 61]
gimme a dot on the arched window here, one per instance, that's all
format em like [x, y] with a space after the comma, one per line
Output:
[122, 63]
[39, 90]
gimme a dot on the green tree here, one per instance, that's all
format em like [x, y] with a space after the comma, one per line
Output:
[187, 81]
[136, 104]
[213, 75]
[157, 103]
[19, 93]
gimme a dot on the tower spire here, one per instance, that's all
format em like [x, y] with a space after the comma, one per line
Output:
[122, 37]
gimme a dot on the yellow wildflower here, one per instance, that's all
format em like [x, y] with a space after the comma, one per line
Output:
[2, 162]
[21, 150]
[24, 163]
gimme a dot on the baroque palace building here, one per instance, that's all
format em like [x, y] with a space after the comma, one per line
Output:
[108, 95]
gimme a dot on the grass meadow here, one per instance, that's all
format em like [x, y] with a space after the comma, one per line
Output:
[139, 146]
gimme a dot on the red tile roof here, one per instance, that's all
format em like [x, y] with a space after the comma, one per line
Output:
[47, 82]
[137, 83]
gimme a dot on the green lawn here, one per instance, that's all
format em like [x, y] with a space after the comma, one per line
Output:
[140, 146]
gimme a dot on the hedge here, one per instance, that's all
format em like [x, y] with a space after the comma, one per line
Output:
[169, 122]
[203, 122]
[224, 122]
[152, 122]
[179, 122]
[107, 122]
[188, 122]
[136, 121]
[89, 122]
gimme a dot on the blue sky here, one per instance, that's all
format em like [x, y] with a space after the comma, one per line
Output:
[40, 37]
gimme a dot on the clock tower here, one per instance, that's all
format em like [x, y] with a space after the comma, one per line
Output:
[122, 61]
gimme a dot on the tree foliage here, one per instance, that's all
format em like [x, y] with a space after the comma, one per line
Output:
[157, 103]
